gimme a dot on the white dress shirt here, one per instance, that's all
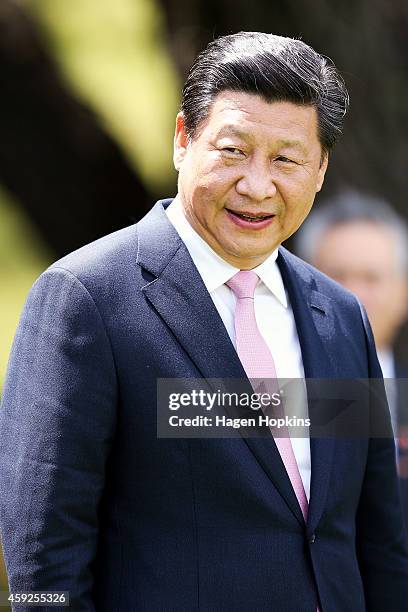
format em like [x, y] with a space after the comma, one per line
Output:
[387, 363]
[274, 315]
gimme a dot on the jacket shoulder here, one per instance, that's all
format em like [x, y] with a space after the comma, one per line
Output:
[101, 256]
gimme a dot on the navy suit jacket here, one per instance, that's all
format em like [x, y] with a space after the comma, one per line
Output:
[94, 503]
[401, 372]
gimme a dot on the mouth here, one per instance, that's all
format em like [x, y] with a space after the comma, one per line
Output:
[255, 219]
[252, 217]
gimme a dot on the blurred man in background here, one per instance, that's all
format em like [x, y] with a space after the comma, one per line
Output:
[361, 242]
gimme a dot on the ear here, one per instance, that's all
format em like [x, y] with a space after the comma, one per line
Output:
[180, 141]
[322, 171]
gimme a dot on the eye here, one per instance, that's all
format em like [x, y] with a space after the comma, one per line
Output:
[286, 160]
[233, 151]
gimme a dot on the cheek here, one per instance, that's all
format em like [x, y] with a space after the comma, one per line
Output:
[299, 193]
[297, 212]
[395, 299]
[205, 201]
[377, 300]
[213, 191]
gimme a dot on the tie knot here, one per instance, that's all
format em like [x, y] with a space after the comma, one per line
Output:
[243, 283]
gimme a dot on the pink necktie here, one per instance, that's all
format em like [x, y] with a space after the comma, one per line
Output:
[258, 363]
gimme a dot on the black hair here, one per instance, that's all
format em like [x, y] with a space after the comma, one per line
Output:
[274, 67]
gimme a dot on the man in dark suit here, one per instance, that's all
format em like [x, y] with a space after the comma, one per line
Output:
[95, 503]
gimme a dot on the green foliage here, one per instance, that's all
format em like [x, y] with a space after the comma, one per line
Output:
[114, 56]
[22, 259]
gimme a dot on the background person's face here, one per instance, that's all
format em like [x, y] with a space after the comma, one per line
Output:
[249, 177]
[362, 257]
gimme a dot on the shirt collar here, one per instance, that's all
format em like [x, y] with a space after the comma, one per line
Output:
[269, 273]
[386, 359]
[214, 270]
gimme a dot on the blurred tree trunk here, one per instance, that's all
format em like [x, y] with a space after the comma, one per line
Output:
[68, 174]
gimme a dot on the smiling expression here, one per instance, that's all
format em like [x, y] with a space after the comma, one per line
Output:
[248, 178]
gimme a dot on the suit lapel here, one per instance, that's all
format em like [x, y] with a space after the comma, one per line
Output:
[176, 291]
[178, 294]
[313, 313]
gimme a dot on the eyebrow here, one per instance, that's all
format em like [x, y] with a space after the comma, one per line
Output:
[233, 130]
[295, 144]
[228, 130]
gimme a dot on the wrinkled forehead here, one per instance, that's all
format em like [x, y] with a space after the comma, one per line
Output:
[243, 115]
[363, 244]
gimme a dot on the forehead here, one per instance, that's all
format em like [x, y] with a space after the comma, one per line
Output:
[242, 114]
[360, 244]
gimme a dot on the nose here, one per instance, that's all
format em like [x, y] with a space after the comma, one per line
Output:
[257, 182]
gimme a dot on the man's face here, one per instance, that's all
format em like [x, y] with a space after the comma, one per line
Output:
[362, 257]
[249, 177]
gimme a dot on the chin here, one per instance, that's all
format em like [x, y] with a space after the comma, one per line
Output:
[247, 257]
